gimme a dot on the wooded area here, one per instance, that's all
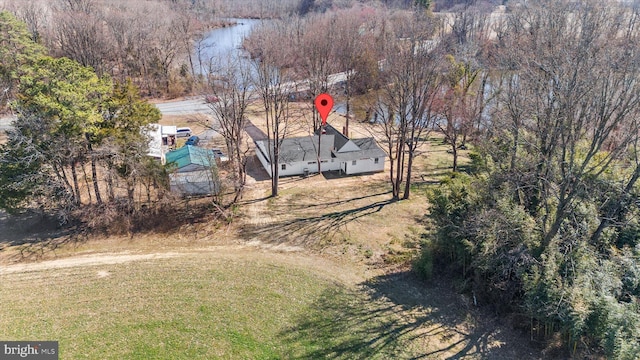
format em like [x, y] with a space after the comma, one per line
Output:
[545, 222]
[68, 120]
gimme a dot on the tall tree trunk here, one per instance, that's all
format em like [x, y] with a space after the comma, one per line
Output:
[346, 123]
[398, 175]
[407, 184]
[94, 171]
[319, 152]
[130, 192]
[94, 176]
[86, 181]
[62, 175]
[110, 191]
[76, 187]
[454, 149]
[392, 177]
[275, 169]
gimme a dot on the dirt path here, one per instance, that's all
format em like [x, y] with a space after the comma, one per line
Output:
[251, 251]
[327, 226]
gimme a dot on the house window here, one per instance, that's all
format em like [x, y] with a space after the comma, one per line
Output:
[353, 162]
[283, 167]
[375, 161]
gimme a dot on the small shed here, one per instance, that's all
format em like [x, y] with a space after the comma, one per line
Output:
[193, 171]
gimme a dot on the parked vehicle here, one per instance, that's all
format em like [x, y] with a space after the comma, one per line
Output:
[211, 98]
[192, 140]
[183, 132]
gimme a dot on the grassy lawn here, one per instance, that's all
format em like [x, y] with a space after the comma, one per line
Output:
[192, 306]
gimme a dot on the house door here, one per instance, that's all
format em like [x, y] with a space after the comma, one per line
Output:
[344, 167]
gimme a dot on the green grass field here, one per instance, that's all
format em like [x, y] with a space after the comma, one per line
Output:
[192, 307]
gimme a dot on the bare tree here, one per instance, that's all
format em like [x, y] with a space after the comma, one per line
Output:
[271, 85]
[228, 98]
[583, 97]
[36, 16]
[80, 35]
[85, 6]
[316, 49]
[347, 47]
[459, 106]
[406, 107]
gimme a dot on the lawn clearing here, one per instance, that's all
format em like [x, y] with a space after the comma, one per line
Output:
[178, 307]
[241, 304]
[183, 307]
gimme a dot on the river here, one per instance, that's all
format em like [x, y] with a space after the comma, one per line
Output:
[224, 43]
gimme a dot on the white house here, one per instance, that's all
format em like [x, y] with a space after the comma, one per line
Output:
[336, 152]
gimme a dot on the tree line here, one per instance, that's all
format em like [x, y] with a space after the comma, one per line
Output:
[149, 42]
[78, 137]
[544, 223]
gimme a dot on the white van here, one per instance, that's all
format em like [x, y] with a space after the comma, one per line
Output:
[183, 132]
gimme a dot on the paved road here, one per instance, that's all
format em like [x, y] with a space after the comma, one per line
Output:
[253, 131]
[183, 107]
[5, 122]
[186, 107]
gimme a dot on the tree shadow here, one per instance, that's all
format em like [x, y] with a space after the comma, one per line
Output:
[308, 230]
[34, 235]
[25, 227]
[323, 204]
[398, 316]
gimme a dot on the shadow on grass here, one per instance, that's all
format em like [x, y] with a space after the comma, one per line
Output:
[307, 230]
[34, 234]
[397, 316]
[331, 204]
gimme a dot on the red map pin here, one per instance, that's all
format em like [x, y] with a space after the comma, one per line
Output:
[324, 104]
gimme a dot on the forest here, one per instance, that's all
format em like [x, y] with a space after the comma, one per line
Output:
[543, 224]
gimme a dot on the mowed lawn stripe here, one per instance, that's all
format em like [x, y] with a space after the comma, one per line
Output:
[178, 308]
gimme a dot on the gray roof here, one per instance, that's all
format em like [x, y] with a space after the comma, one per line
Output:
[340, 138]
[369, 144]
[306, 148]
[368, 149]
[303, 148]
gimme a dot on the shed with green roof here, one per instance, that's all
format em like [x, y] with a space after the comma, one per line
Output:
[193, 171]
